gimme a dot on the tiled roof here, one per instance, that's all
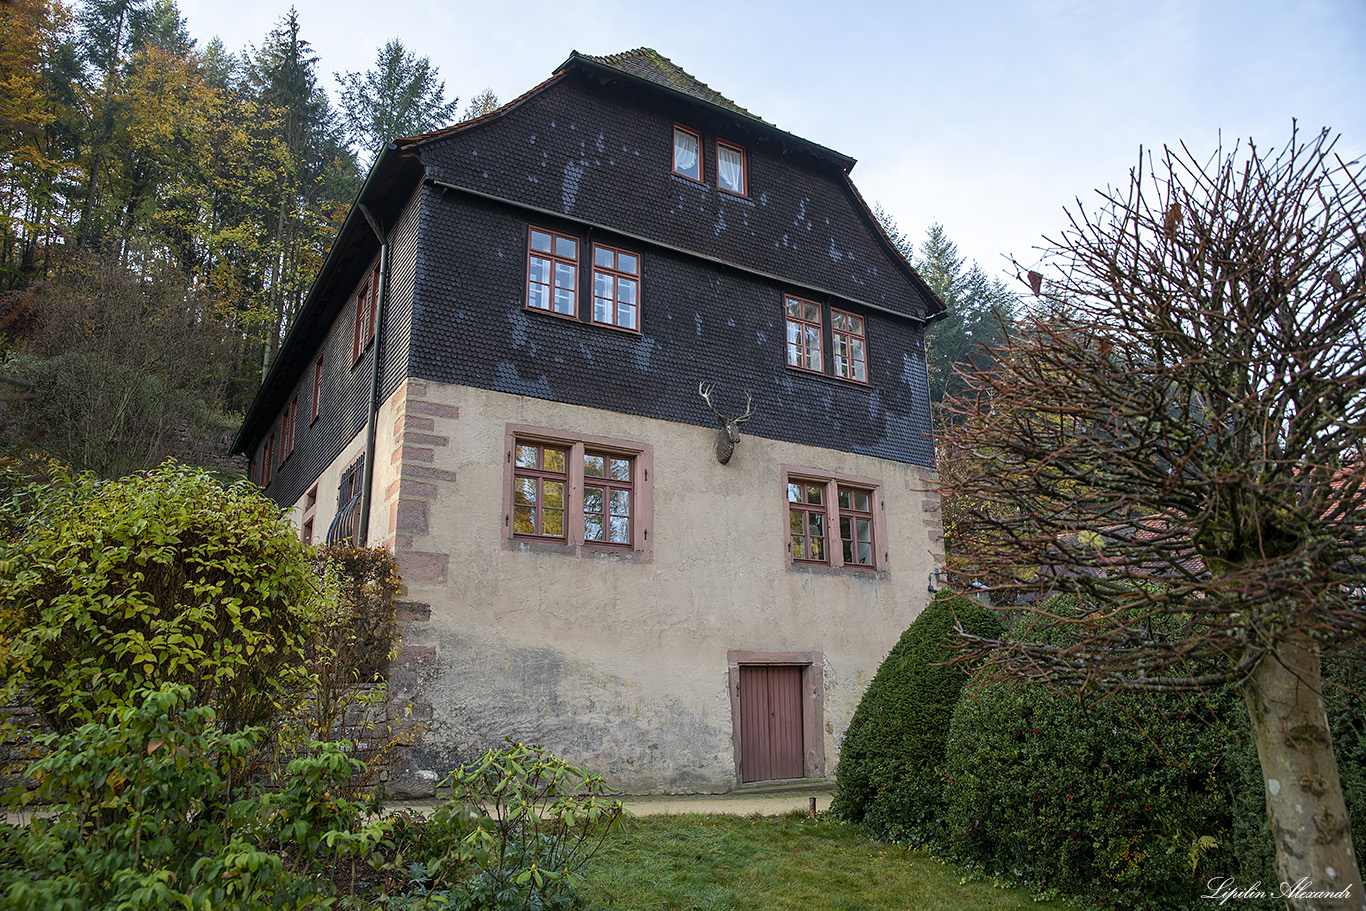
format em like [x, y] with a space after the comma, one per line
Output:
[648, 63]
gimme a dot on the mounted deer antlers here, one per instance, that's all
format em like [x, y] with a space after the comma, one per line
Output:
[729, 434]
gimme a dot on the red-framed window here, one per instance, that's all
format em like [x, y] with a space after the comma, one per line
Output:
[732, 168]
[367, 302]
[804, 330]
[539, 485]
[857, 536]
[848, 341]
[608, 495]
[552, 272]
[834, 521]
[806, 519]
[585, 493]
[291, 416]
[687, 153]
[616, 288]
[315, 397]
[267, 459]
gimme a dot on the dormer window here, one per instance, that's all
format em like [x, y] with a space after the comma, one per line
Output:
[730, 168]
[687, 153]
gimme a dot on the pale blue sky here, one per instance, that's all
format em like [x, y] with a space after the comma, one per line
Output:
[987, 117]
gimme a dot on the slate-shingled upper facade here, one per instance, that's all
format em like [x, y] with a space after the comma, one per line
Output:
[624, 653]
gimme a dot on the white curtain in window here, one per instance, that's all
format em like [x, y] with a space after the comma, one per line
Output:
[730, 168]
[685, 152]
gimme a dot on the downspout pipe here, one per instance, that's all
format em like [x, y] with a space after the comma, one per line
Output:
[372, 416]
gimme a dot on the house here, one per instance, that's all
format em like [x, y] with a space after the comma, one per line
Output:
[498, 374]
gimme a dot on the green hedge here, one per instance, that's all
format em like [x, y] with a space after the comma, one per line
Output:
[1126, 800]
[889, 769]
[108, 588]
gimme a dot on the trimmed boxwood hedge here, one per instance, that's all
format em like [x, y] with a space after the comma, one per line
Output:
[1122, 800]
[889, 768]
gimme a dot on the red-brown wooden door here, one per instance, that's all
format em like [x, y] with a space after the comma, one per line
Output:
[770, 722]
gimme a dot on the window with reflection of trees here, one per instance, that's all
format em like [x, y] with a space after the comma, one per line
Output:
[820, 508]
[606, 499]
[538, 491]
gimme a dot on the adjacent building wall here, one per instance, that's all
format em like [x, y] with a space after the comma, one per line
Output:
[620, 661]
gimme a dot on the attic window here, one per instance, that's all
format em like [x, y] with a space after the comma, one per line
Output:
[687, 153]
[730, 168]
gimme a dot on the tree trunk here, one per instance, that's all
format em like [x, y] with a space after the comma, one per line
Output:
[1304, 802]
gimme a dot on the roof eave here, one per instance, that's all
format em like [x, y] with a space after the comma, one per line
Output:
[355, 221]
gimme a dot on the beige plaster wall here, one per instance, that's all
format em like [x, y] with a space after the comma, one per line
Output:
[609, 660]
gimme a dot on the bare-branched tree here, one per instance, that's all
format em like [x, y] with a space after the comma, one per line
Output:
[1176, 438]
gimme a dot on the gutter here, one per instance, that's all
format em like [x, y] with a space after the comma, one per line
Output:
[372, 414]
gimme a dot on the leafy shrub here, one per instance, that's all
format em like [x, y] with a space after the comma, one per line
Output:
[344, 692]
[889, 770]
[112, 587]
[1129, 800]
[146, 812]
[518, 833]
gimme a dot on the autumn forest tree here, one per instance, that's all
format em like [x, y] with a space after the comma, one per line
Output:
[214, 180]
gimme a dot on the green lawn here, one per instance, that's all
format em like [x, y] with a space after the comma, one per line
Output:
[732, 863]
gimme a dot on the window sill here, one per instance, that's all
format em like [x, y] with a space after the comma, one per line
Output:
[690, 181]
[821, 569]
[635, 332]
[830, 378]
[589, 551]
[571, 317]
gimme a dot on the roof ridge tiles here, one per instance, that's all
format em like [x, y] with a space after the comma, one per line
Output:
[649, 64]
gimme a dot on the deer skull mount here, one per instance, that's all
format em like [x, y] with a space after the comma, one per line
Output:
[729, 434]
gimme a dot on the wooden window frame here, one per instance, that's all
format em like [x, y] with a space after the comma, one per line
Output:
[617, 274]
[834, 549]
[853, 514]
[309, 513]
[554, 259]
[673, 154]
[315, 397]
[576, 446]
[291, 417]
[836, 335]
[803, 322]
[608, 484]
[808, 510]
[812, 665]
[744, 167]
[363, 327]
[268, 459]
[540, 475]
